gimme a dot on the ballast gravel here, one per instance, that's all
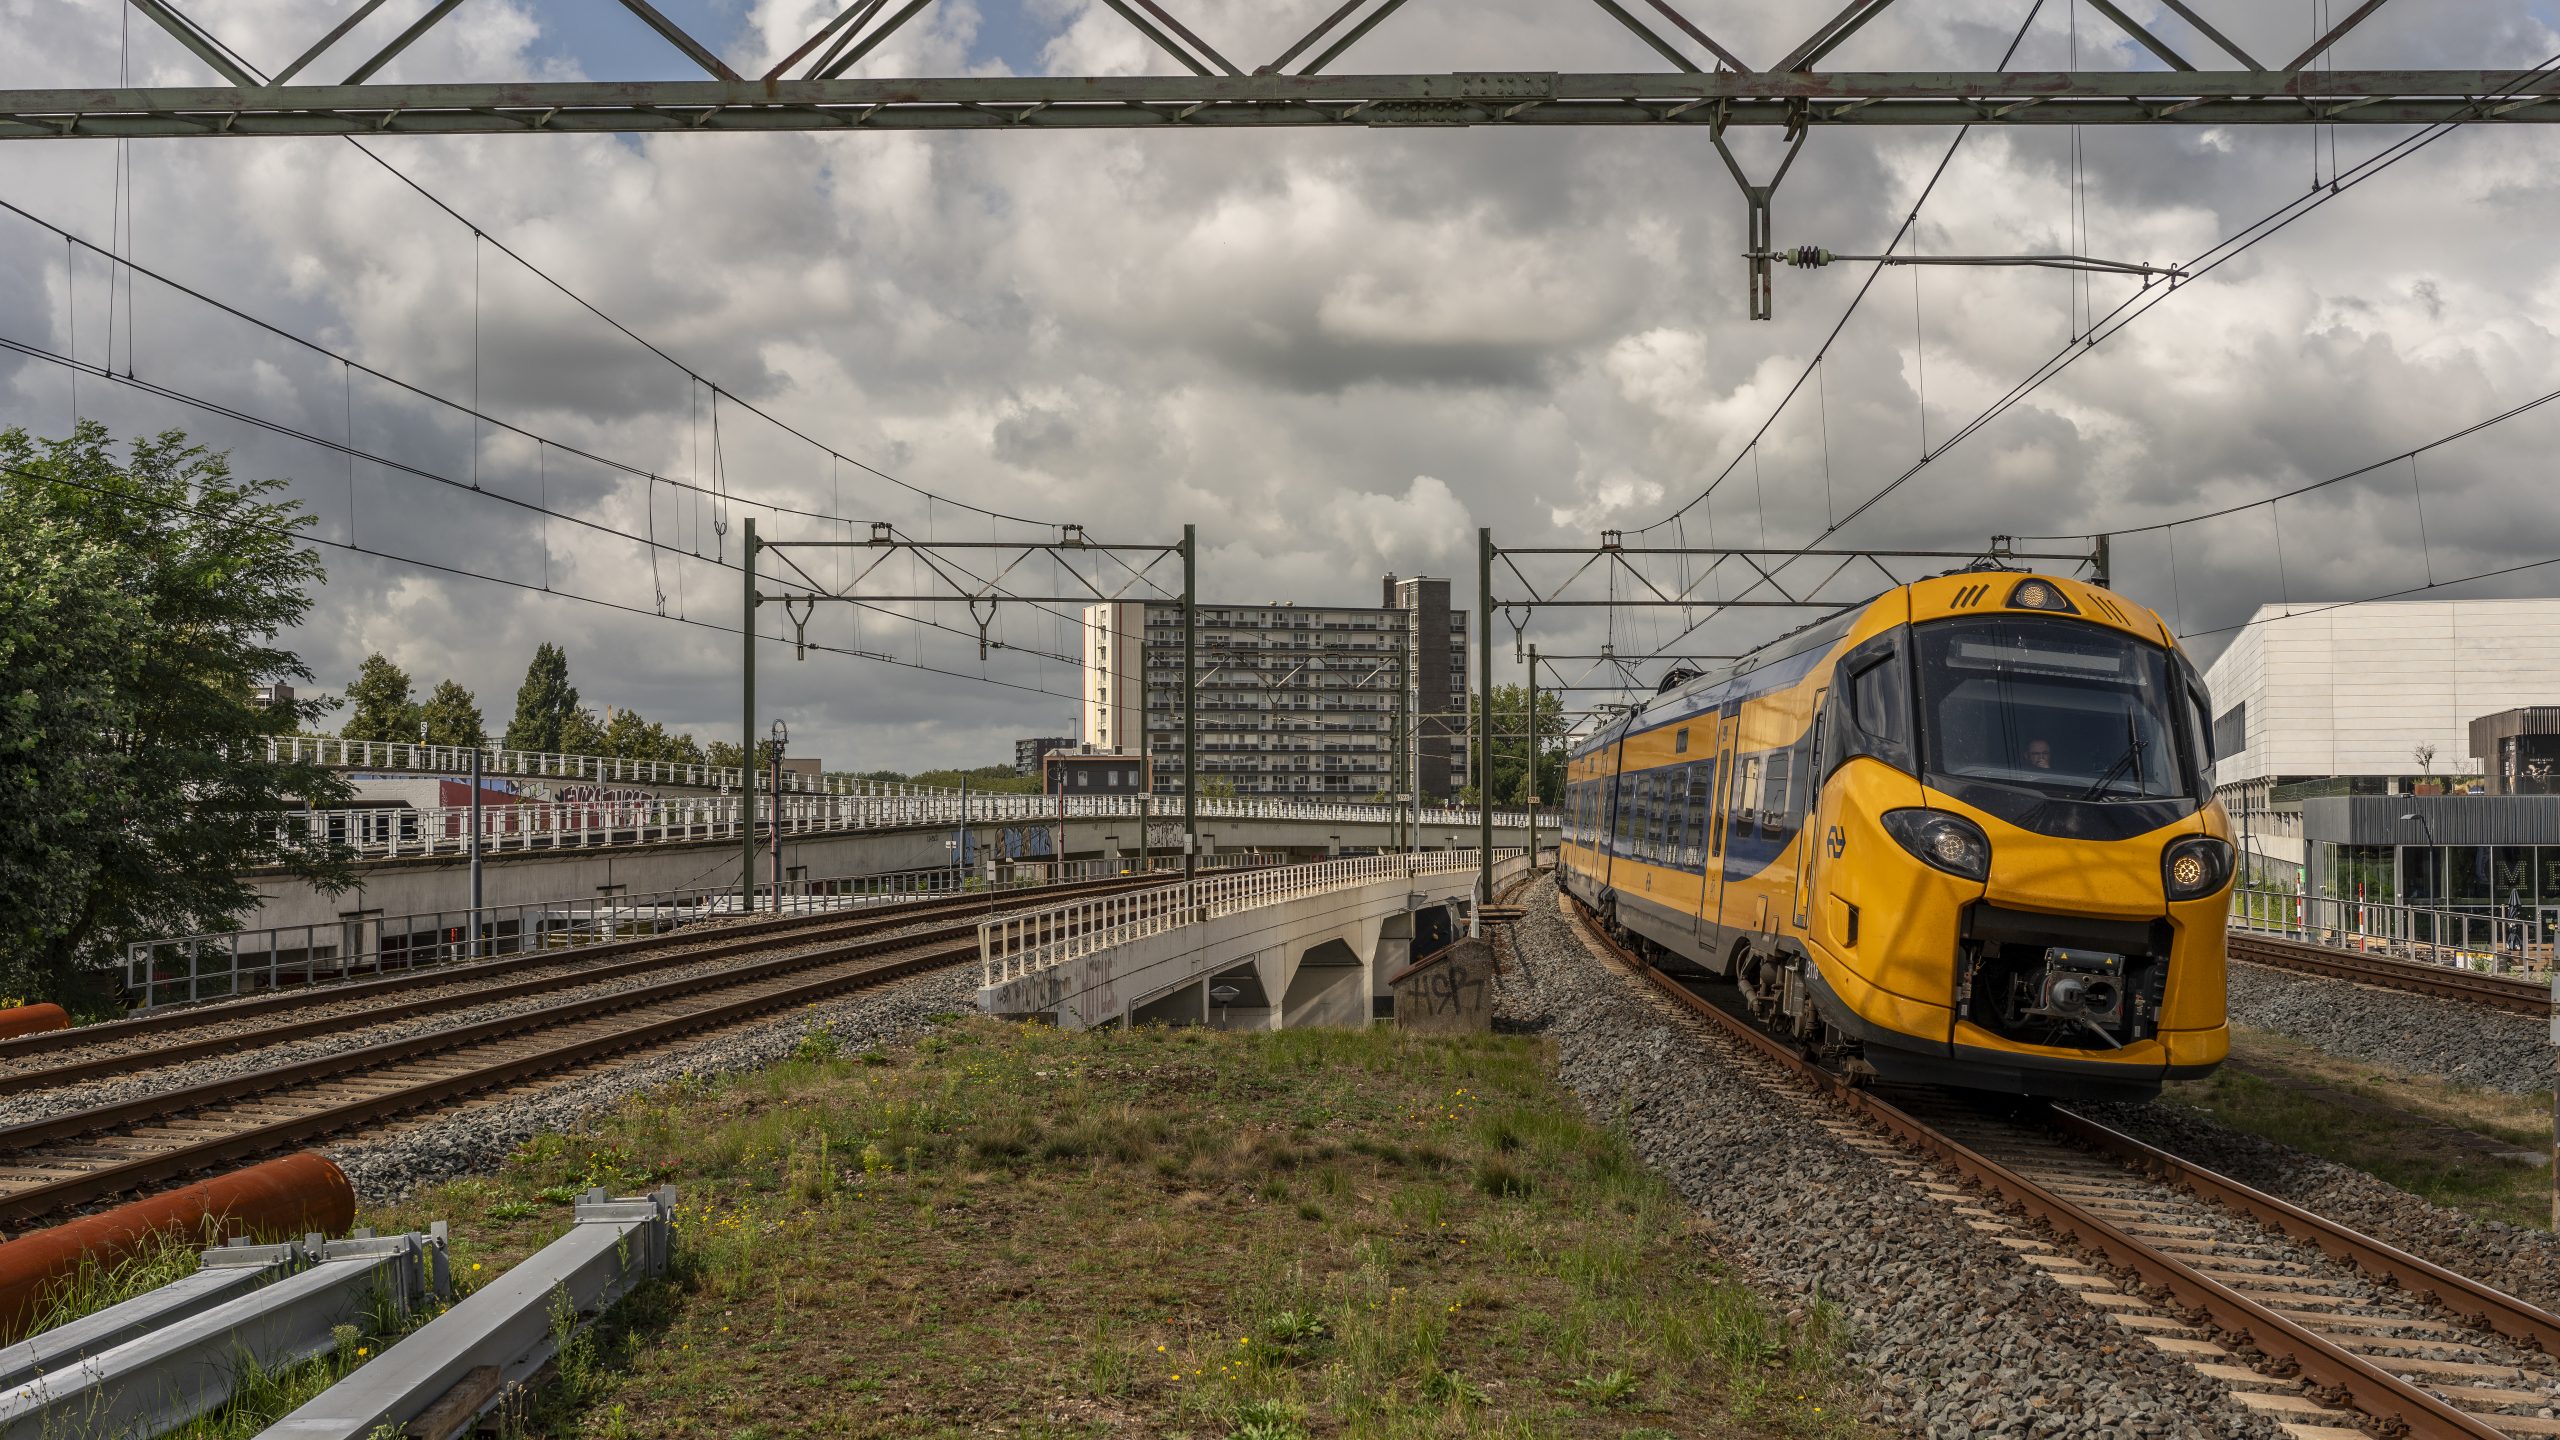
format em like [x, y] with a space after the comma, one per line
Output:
[475, 1139]
[1961, 1339]
[2467, 1044]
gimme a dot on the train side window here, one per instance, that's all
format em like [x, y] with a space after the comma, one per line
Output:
[1746, 793]
[1773, 804]
[1702, 789]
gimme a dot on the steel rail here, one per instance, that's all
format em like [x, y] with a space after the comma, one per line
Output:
[230, 1149]
[2489, 1308]
[2499, 992]
[573, 967]
[2378, 1393]
[17, 1139]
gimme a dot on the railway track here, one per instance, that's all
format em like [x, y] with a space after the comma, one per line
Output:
[118, 1048]
[2327, 1333]
[2500, 992]
[85, 1155]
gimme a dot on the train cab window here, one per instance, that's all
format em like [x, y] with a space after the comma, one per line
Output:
[2056, 707]
[1870, 707]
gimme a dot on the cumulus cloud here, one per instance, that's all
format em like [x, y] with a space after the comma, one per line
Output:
[1337, 352]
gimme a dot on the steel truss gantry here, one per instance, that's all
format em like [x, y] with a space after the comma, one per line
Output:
[1706, 85]
[974, 573]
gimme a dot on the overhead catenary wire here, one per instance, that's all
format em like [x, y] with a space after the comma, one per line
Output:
[598, 312]
[2141, 302]
[460, 572]
[159, 391]
[1909, 222]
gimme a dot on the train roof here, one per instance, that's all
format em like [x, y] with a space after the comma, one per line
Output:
[1785, 659]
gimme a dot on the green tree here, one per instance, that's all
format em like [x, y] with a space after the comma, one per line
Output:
[139, 604]
[544, 704]
[452, 716]
[580, 733]
[724, 753]
[1511, 734]
[380, 703]
[629, 737]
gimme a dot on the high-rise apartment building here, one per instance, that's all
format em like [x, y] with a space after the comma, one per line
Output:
[1294, 700]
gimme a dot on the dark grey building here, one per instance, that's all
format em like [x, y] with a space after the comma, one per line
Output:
[1085, 771]
[1027, 754]
[2519, 750]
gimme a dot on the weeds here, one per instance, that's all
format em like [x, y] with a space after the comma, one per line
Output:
[1268, 1236]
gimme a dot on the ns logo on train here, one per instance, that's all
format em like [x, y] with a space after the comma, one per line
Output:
[1962, 835]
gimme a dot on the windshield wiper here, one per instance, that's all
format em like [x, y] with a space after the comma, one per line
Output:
[2134, 746]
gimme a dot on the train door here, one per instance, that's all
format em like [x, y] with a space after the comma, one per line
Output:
[1728, 729]
[1612, 819]
[1809, 770]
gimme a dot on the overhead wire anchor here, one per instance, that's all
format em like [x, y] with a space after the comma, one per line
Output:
[797, 609]
[1814, 257]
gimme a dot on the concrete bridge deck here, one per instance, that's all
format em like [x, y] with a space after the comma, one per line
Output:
[1266, 949]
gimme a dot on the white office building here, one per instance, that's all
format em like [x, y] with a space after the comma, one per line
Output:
[2367, 699]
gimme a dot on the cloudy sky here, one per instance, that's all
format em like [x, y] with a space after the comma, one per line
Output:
[1337, 353]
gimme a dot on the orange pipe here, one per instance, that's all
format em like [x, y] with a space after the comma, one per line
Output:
[32, 1019]
[279, 1199]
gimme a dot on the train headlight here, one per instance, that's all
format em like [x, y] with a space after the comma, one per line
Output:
[1950, 842]
[2195, 866]
[2039, 595]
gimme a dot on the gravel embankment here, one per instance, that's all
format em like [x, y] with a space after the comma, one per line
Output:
[1960, 1337]
[387, 1165]
[148, 1081]
[2467, 1044]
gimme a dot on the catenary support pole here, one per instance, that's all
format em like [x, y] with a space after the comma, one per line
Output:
[1529, 787]
[1190, 702]
[1484, 722]
[747, 733]
[478, 895]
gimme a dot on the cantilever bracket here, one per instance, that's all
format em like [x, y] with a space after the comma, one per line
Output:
[1760, 252]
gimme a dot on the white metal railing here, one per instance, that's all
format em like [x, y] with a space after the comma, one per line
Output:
[2470, 939]
[1013, 946]
[402, 757]
[388, 832]
[223, 964]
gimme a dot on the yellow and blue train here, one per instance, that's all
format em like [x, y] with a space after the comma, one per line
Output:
[1962, 835]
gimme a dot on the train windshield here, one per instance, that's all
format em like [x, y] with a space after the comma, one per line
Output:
[2068, 710]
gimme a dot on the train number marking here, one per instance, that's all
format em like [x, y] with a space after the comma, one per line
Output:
[1837, 842]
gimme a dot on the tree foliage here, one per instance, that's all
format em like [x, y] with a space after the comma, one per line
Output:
[629, 736]
[545, 705]
[1510, 770]
[140, 600]
[451, 716]
[381, 703]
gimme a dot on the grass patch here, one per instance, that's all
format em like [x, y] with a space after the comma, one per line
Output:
[2450, 1144]
[1018, 1230]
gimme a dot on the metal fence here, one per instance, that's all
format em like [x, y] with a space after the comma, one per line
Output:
[224, 965]
[2471, 939]
[399, 831]
[1013, 946]
[400, 757]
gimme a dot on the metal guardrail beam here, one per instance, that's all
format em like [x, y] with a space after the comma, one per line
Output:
[175, 1372]
[462, 1364]
[225, 1274]
[1792, 100]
